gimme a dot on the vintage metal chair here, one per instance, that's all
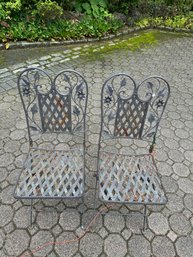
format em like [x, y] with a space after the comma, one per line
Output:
[53, 106]
[130, 112]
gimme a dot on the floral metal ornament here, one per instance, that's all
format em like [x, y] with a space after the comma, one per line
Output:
[81, 95]
[130, 110]
[108, 100]
[53, 105]
[160, 103]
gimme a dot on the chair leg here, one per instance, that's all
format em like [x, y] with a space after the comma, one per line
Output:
[82, 211]
[31, 209]
[95, 193]
[145, 218]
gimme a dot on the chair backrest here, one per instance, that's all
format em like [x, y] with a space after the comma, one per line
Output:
[132, 111]
[57, 105]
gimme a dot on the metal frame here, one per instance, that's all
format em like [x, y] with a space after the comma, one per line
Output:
[129, 111]
[52, 106]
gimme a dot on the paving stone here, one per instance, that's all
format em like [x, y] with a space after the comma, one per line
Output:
[115, 245]
[3, 174]
[12, 146]
[17, 134]
[188, 200]
[66, 249]
[180, 224]
[176, 156]
[23, 212]
[181, 133]
[114, 222]
[6, 159]
[184, 247]
[6, 214]
[69, 219]
[164, 169]
[186, 185]
[187, 213]
[126, 233]
[39, 239]
[6, 196]
[189, 155]
[103, 232]
[158, 223]
[163, 247]
[47, 218]
[2, 237]
[139, 246]
[91, 245]
[135, 223]
[9, 228]
[169, 184]
[17, 242]
[172, 236]
[88, 216]
[181, 170]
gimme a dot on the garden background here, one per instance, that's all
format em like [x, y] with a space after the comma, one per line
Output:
[38, 20]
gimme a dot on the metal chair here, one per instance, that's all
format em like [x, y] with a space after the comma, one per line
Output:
[58, 107]
[130, 112]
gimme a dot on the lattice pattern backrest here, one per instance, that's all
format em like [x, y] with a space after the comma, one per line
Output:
[53, 106]
[55, 111]
[130, 118]
[132, 111]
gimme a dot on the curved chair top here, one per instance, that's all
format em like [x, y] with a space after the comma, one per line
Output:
[132, 111]
[57, 105]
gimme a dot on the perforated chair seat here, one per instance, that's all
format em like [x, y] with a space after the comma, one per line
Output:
[51, 174]
[129, 179]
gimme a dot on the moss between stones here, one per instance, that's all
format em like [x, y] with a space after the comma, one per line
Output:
[136, 41]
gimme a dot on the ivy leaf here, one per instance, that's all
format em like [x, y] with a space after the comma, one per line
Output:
[66, 78]
[76, 111]
[33, 128]
[123, 83]
[162, 93]
[80, 87]
[79, 128]
[109, 90]
[151, 118]
[106, 132]
[26, 82]
[34, 109]
[37, 75]
[111, 116]
[150, 134]
[150, 85]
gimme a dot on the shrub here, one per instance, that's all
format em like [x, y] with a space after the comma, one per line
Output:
[49, 10]
[94, 8]
[3, 13]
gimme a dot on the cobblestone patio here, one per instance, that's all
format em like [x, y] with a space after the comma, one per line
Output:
[170, 231]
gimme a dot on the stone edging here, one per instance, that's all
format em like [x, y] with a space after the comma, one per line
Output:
[126, 31]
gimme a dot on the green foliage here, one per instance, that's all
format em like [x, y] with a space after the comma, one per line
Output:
[14, 5]
[43, 19]
[48, 10]
[3, 13]
[34, 30]
[179, 21]
[95, 8]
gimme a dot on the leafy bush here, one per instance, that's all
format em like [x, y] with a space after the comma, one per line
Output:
[48, 10]
[3, 13]
[21, 29]
[95, 8]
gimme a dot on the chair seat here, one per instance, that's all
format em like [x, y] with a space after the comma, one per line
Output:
[51, 174]
[129, 179]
